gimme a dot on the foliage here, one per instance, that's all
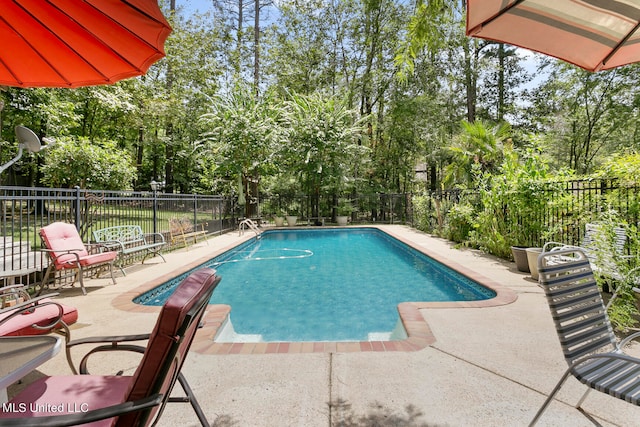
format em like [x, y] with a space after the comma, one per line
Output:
[242, 132]
[322, 149]
[617, 270]
[461, 221]
[98, 165]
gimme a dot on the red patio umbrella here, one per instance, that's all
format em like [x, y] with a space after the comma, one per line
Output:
[592, 34]
[71, 43]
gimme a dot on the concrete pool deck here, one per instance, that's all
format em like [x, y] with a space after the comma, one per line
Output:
[483, 366]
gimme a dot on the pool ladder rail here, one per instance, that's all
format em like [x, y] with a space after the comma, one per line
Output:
[248, 223]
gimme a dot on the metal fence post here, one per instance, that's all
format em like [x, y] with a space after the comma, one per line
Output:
[195, 210]
[77, 218]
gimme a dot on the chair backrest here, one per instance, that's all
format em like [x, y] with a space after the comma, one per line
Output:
[61, 237]
[575, 302]
[169, 343]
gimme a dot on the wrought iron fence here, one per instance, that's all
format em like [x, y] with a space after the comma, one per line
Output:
[556, 211]
[384, 208]
[26, 209]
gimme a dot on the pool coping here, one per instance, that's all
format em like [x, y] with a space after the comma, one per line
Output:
[419, 334]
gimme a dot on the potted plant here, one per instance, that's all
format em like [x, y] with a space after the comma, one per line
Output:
[519, 254]
[292, 220]
[532, 258]
[343, 211]
[278, 220]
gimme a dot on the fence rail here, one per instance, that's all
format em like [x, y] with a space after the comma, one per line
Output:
[26, 209]
[530, 216]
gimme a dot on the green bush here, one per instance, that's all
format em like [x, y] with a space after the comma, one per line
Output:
[460, 222]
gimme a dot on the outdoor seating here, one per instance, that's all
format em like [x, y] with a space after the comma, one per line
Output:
[602, 262]
[136, 400]
[590, 347]
[129, 240]
[182, 230]
[66, 250]
[21, 315]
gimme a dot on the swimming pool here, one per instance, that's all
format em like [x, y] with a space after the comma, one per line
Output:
[325, 285]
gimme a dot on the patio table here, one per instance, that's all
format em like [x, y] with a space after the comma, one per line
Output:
[21, 355]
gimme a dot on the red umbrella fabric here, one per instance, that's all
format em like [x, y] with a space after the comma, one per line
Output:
[72, 43]
[592, 34]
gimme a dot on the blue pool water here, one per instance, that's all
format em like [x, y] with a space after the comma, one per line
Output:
[325, 285]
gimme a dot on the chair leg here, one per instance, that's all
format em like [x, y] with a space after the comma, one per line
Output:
[113, 279]
[81, 279]
[191, 398]
[584, 396]
[45, 279]
[550, 397]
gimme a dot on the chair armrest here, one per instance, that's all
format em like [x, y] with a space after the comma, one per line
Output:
[157, 237]
[628, 339]
[550, 245]
[111, 245]
[89, 416]
[110, 343]
[10, 292]
[30, 304]
[113, 339]
[100, 247]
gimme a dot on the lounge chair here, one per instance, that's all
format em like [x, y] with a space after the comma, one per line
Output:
[604, 264]
[136, 400]
[66, 250]
[590, 347]
[35, 316]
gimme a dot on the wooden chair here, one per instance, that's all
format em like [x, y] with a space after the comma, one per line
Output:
[136, 400]
[66, 250]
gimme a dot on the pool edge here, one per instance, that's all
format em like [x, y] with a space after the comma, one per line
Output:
[419, 334]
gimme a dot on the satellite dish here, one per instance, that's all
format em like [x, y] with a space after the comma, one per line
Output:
[28, 139]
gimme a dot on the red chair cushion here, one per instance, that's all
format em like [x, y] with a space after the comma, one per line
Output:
[61, 237]
[67, 394]
[43, 315]
[98, 258]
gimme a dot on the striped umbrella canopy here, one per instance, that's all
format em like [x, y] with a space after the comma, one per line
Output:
[72, 43]
[592, 34]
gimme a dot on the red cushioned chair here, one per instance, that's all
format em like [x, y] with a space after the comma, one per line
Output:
[67, 251]
[21, 315]
[136, 400]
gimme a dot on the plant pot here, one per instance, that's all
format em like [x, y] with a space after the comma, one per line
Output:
[342, 220]
[532, 258]
[520, 257]
[279, 221]
[292, 220]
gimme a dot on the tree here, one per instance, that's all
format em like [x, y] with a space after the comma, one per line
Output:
[97, 165]
[323, 150]
[479, 150]
[242, 132]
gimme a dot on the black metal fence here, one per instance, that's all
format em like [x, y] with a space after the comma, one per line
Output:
[542, 211]
[384, 208]
[25, 210]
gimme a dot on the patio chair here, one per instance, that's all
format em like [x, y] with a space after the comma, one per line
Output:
[604, 264]
[21, 315]
[136, 400]
[590, 347]
[66, 250]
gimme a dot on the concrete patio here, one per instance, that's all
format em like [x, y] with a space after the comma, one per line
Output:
[488, 366]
